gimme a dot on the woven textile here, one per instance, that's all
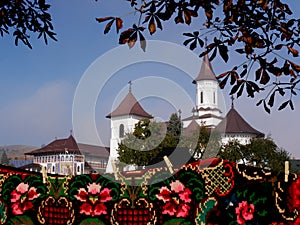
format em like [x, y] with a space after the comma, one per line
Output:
[208, 192]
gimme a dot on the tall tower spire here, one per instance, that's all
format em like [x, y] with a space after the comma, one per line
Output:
[207, 104]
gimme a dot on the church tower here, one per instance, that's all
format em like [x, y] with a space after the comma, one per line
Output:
[123, 120]
[207, 110]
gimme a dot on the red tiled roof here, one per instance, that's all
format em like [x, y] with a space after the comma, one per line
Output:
[94, 150]
[129, 106]
[58, 146]
[206, 71]
[209, 109]
[192, 128]
[205, 116]
[235, 123]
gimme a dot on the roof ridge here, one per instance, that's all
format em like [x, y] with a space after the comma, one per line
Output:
[206, 71]
[129, 106]
[235, 123]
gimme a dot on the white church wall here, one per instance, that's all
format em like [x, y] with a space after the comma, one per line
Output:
[242, 138]
[207, 94]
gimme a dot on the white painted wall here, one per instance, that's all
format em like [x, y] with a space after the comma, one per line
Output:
[242, 138]
[129, 122]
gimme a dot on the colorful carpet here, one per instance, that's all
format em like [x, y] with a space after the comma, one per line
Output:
[212, 192]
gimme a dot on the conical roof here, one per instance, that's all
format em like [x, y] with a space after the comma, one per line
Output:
[129, 106]
[58, 146]
[235, 123]
[206, 71]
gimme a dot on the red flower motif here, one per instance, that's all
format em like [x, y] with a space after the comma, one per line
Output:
[176, 199]
[21, 198]
[93, 199]
[244, 212]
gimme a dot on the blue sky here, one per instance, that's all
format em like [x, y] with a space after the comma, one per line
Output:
[38, 86]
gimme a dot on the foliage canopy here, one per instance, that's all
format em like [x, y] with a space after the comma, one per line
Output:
[25, 17]
[262, 31]
[148, 140]
[265, 33]
[260, 152]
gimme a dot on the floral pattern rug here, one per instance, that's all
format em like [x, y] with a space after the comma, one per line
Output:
[212, 192]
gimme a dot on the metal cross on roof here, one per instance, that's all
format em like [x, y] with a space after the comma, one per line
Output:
[130, 84]
[232, 101]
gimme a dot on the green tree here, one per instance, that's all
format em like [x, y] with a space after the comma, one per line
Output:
[233, 151]
[173, 133]
[264, 153]
[148, 140]
[141, 146]
[260, 152]
[202, 143]
[265, 34]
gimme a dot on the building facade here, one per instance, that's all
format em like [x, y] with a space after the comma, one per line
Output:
[123, 120]
[61, 156]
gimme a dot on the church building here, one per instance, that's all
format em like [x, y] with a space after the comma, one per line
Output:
[65, 156]
[207, 113]
[123, 119]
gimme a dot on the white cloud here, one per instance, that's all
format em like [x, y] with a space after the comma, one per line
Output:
[38, 118]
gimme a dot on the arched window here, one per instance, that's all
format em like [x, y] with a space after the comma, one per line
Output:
[121, 131]
[201, 97]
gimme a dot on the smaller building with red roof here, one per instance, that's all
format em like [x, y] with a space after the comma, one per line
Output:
[61, 156]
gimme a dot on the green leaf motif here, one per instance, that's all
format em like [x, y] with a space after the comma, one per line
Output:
[178, 221]
[204, 208]
[92, 221]
[3, 212]
[24, 220]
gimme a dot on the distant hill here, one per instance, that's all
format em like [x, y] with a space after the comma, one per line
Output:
[17, 151]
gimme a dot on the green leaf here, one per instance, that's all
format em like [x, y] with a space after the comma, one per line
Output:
[249, 89]
[223, 82]
[283, 105]
[9, 185]
[244, 72]
[178, 221]
[291, 105]
[193, 45]
[271, 99]
[188, 34]
[213, 55]
[240, 50]
[223, 52]
[240, 91]
[24, 220]
[188, 41]
[92, 221]
[204, 208]
[265, 78]
[259, 102]
[235, 88]
[266, 108]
